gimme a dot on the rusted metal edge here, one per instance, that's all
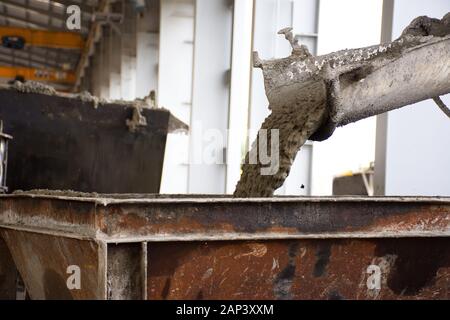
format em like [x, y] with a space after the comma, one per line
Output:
[144, 270]
[51, 232]
[230, 236]
[202, 219]
[106, 200]
[103, 269]
[274, 236]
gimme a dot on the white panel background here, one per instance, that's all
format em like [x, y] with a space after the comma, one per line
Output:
[418, 136]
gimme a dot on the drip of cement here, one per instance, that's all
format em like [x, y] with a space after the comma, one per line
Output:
[86, 96]
[137, 119]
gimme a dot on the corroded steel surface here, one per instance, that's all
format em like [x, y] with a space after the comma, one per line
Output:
[278, 219]
[68, 142]
[142, 246]
[197, 218]
[300, 269]
[8, 273]
[43, 260]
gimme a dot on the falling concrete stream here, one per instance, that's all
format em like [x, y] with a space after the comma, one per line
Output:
[309, 96]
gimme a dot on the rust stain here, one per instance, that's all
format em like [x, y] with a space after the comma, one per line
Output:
[411, 267]
[42, 260]
[301, 218]
[289, 270]
[257, 250]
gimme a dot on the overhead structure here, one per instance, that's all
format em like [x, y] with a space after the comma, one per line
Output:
[93, 36]
[43, 75]
[44, 38]
[35, 39]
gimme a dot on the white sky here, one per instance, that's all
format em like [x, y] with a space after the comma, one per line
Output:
[345, 24]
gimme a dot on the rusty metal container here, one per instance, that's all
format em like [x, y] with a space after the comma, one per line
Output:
[76, 142]
[156, 247]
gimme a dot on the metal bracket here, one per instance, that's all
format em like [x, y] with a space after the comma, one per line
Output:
[110, 18]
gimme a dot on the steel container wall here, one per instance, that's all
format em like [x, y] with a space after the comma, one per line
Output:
[171, 247]
[70, 143]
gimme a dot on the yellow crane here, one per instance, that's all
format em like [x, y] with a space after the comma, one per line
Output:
[44, 75]
[42, 38]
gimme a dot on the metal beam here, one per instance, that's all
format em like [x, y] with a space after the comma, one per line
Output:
[127, 271]
[86, 6]
[28, 21]
[45, 75]
[18, 62]
[28, 55]
[93, 36]
[4, 61]
[51, 54]
[11, 21]
[45, 38]
[8, 15]
[5, 11]
[7, 60]
[44, 12]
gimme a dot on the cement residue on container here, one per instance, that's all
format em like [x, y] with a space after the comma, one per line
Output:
[85, 96]
[58, 193]
[37, 87]
[137, 119]
[33, 87]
